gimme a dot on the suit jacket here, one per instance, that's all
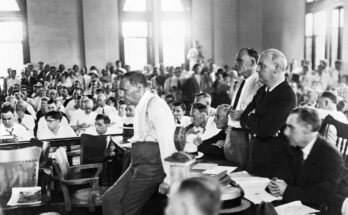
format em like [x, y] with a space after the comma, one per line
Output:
[207, 145]
[268, 152]
[321, 180]
[189, 89]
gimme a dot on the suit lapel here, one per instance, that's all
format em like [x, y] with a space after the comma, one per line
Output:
[309, 164]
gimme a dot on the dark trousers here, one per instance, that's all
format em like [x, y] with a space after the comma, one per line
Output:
[236, 148]
[135, 187]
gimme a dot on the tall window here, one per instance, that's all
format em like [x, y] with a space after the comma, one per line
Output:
[154, 31]
[324, 31]
[12, 36]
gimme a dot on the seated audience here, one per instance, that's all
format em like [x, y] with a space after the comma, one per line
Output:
[195, 196]
[54, 127]
[319, 177]
[214, 145]
[85, 118]
[9, 128]
[24, 119]
[205, 98]
[179, 111]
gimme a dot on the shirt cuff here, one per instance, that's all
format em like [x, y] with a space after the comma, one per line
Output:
[344, 209]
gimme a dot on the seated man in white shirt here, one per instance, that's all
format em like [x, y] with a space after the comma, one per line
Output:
[55, 128]
[11, 130]
[201, 127]
[84, 119]
[179, 110]
[110, 111]
[24, 119]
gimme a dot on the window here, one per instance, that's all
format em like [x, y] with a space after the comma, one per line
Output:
[13, 37]
[153, 32]
[323, 31]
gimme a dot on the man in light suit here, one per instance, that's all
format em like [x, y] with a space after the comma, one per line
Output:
[319, 177]
[236, 147]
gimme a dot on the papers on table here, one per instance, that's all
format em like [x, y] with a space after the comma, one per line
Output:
[295, 207]
[204, 166]
[254, 187]
[25, 196]
[218, 169]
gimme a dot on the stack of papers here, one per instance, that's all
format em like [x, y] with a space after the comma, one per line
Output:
[295, 207]
[254, 187]
[219, 169]
[25, 196]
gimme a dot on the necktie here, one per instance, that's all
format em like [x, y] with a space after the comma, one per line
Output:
[238, 95]
[19, 120]
[10, 131]
[103, 111]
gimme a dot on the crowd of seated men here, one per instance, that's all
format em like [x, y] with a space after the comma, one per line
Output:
[239, 115]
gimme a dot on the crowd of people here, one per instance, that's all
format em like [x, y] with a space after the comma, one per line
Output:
[259, 114]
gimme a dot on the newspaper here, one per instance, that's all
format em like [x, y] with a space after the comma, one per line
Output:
[25, 196]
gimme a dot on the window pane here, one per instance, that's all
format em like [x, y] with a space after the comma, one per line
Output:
[11, 55]
[320, 49]
[134, 29]
[172, 5]
[320, 23]
[309, 48]
[309, 24]
[135, 51]
[11, 31]
[341, 17]
[173, 42]
[334, 44]
[135, 5]
[9, 5]
[335, 18]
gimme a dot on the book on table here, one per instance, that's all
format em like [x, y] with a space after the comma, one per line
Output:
[25, 196]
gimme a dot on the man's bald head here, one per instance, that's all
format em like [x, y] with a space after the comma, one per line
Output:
[101, 99]
[88, 106]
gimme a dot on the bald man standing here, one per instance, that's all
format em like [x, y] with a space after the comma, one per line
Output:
[266, 114]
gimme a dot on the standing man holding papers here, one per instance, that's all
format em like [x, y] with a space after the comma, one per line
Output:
[266, 114]
[153, 138]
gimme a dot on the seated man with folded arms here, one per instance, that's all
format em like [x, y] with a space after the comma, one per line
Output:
[85, 119]
[214, 145]
[55, 129]
[9, 129]
[319, 177]
[195, 196]
[179, 110]
[25, 119]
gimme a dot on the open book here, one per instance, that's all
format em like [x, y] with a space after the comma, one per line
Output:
[25, 196]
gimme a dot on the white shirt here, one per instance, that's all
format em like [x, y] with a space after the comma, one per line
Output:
[83, 118]
[308, 148]
[210, 129]
[157, 125]
[28, 122]
[110, 130]
[111, 112]
[64, 131]
[42, 126]
[22, 133]
[251, 85]
[184, 122]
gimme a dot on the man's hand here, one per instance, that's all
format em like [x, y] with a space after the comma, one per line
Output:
[277, 187]
[164, 188]
[219, 143]
[197, 141]
[235, 114]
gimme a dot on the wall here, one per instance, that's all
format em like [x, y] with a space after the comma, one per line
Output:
[345, 39]
[55, 31]
[100, 32]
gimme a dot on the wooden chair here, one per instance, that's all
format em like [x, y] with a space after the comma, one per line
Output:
[342, 134]
[92, 148]
[68, 179]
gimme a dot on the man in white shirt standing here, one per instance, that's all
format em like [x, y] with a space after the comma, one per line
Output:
[153, 138]
[11, 130]
[237, 142]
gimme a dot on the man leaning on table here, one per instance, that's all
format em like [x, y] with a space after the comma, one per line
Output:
[319, 178]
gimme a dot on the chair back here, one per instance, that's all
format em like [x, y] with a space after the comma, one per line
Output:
[92, 148]
[342, 134]
[61, 164]
[19, 168]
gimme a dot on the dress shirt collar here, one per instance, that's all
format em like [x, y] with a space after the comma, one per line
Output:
[251, 77]
[308, 148]
[276, 85]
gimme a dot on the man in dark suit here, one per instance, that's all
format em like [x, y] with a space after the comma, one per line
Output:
[266, 114]
[191, 87]
[319, 177]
